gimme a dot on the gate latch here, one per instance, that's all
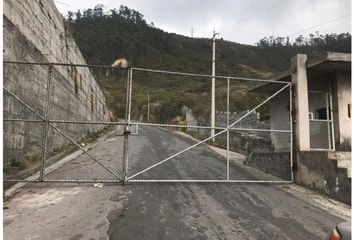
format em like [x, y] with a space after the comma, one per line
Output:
[123, 130]
[127, 130]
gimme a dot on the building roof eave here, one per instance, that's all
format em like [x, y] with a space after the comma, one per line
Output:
[329, 61]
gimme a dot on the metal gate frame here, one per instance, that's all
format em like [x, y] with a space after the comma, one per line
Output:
[329, 120]
[49, 123]
[226, 129]
[128, 125]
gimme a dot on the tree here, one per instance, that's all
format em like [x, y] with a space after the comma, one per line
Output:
[299, 41]
[98, 11]
[78, 15]
[125, 12]
[279, 42]
[334, 42]
[114, 12]
[70, 16]
[87, 13]
[263, 43]
[287, 41]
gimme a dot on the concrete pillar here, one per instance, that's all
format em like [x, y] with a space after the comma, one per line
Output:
[300, 101]
[341, 92]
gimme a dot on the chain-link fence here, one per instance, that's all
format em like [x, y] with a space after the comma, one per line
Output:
[59, 124]
[245, 136]
[81, 123]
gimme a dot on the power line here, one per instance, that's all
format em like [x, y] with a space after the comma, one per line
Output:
[324, 23]
[254, 15]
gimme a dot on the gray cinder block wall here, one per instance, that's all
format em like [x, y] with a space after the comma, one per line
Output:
[318, 171]
[34, 31]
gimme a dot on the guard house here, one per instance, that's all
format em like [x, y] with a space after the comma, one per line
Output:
[321, 101]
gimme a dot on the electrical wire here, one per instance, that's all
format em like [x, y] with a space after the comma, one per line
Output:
[321, 24]
[254, 15]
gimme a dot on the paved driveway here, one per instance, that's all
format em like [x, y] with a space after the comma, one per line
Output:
[165, 211]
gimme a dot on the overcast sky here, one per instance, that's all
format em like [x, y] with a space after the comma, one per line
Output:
[238, 21]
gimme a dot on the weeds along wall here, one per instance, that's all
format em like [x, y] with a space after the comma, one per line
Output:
[34, 31]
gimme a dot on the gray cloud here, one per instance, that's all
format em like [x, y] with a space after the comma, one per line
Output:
[285, 18]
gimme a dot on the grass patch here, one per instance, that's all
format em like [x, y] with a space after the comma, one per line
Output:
[60, 149]
[92, 136]
[17, 165]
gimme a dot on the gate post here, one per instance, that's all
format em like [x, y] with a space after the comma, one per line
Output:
[46, 125]
[127, 125]
[301, 104]
[228, 131]
[292, 165]
[125, 154]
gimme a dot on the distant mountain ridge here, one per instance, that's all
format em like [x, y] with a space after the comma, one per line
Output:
[103, 37]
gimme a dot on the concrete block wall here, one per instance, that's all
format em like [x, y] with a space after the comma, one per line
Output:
[274, 163]
[317, 171]
[34, 31]
[252, 120]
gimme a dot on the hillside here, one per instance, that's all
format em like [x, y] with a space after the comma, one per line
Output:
[124, 33]
[104, 37]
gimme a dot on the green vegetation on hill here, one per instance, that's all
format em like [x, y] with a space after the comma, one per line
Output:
[124, 33]
[104, 37]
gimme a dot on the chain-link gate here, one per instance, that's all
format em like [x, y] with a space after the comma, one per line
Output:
[59, 126]
[57, 123]
[252, 140]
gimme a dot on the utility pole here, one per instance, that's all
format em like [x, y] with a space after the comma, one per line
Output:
[212, 117]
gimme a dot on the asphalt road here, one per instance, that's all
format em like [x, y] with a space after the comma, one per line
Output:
[164, 210]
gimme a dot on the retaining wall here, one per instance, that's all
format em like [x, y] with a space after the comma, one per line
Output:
[34, 31]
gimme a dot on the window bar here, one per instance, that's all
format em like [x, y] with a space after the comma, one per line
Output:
[331, 114]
